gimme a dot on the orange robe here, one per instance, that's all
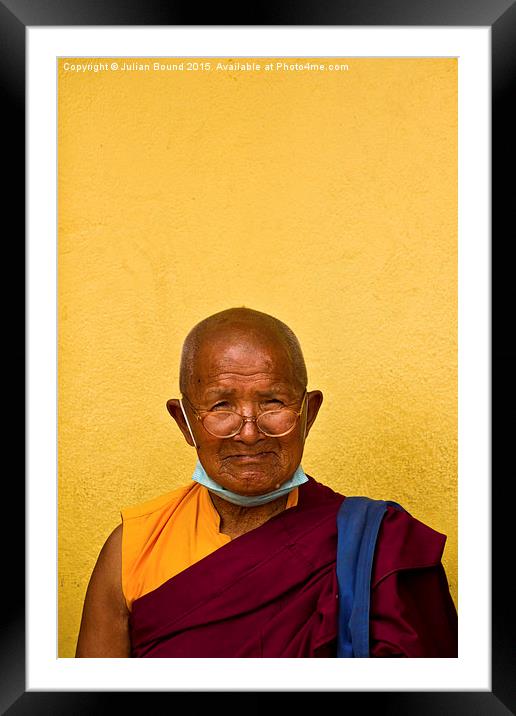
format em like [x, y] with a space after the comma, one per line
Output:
[168, 534]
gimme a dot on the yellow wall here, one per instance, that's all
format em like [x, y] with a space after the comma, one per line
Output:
[328, 199]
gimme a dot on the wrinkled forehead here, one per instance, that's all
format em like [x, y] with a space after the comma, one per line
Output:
[242, 353]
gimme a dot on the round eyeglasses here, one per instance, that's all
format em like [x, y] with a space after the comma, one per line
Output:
[228, 423]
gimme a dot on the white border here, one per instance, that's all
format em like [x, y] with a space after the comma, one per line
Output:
[471, 671]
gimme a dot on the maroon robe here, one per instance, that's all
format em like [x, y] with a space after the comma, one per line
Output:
[273, 592]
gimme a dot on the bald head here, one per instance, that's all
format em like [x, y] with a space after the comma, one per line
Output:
[230, 326]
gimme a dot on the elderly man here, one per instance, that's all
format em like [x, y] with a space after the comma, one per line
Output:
[253, 558]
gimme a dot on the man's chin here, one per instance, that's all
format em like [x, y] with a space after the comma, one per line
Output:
[251, 481]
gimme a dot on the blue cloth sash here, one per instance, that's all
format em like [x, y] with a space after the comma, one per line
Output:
[358, 522]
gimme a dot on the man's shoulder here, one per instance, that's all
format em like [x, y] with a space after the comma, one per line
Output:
[404, 542]
[323, 490]
[157, 504]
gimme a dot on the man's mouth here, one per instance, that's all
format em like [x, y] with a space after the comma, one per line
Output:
[249, 457]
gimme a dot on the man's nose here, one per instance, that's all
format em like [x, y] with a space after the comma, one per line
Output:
[249, 432]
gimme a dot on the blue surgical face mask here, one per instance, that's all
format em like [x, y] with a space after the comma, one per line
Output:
[201, 476]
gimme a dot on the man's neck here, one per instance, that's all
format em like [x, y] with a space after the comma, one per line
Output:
[236, 520]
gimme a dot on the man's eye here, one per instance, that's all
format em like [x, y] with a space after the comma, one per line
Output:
[221, 406]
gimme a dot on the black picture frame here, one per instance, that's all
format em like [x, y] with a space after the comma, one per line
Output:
[500, 15]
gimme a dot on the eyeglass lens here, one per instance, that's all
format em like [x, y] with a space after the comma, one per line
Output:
[274, 422]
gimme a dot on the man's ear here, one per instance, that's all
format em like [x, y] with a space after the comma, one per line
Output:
[314, 399]
[174, 408]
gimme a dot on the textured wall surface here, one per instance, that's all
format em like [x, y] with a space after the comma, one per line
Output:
[328, 199]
